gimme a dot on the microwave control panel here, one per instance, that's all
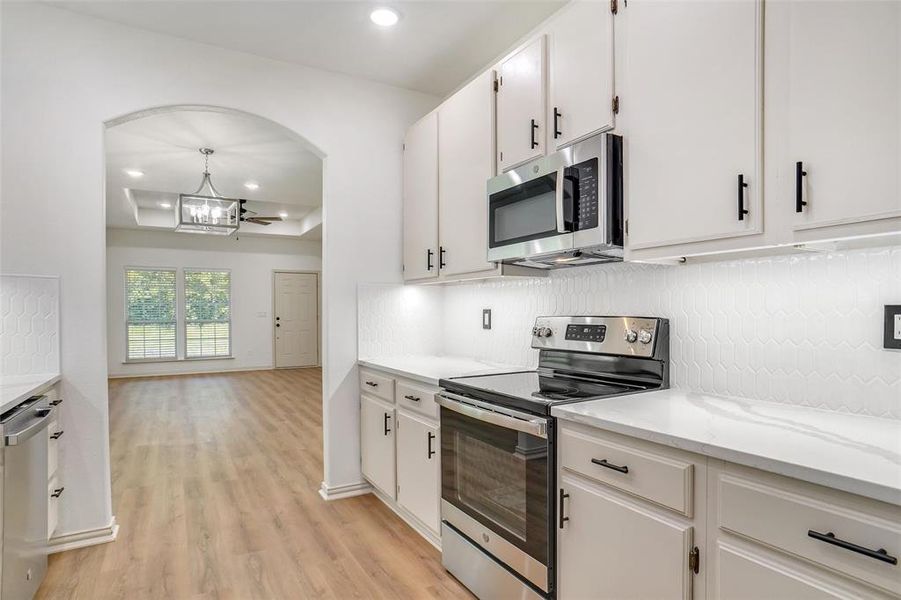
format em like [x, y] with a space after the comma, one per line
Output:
[584, 178]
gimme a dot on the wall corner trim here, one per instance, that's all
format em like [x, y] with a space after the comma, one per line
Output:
[344, 491]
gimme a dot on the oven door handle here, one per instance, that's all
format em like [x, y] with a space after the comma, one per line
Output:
[558, 200]
[536, 427]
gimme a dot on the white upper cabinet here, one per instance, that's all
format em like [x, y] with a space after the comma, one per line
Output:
[580, 50]
[521, 106]
[466, 162]
[843, 88]
[421, 199]
[690, 110]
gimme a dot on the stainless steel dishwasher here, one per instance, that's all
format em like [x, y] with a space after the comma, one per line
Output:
[25, 497]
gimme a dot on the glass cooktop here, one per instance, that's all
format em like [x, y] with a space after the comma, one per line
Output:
[531, 390]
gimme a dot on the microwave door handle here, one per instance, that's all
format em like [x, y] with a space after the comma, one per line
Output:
[558, 197]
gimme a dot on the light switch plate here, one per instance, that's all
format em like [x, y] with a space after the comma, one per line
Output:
[486, 318]
[892, 336]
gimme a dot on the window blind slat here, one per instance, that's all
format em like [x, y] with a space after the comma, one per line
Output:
[207, 314]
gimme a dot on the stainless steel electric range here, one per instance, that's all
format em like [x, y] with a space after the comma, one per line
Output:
[498, 442]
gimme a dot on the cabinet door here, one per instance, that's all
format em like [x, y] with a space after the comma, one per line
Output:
[521, 106]
[691, 112]
[613, 548]
[580, 53]
[421, 199]
[377, 443]
[417, 469]
[466, 162]
[844, 88]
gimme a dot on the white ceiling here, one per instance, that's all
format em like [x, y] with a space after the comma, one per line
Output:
[164, 146]
[436, 46]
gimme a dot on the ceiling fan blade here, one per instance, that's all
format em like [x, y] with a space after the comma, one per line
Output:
[257, 221]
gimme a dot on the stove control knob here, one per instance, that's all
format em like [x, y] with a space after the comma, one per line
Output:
[644, 336]
[631, 336]
[544, 332]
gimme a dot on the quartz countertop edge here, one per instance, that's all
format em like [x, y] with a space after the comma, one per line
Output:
[429, 369]
[853, 453]
[15, 389]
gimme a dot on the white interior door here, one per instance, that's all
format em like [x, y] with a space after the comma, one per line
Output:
[296, 320]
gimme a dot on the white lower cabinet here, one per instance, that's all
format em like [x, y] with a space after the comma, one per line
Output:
[377, 443]
[418, 476]
[613, 547]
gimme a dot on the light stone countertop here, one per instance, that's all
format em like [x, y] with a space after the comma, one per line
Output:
[15, 389]
[429, 369]
[853, 453]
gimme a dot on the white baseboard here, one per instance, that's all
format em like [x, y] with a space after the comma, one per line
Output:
[82, 539]
[349, 490]
[176, 373]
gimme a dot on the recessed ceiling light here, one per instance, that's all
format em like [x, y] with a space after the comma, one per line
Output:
[134, 173]
[252, 185]
[384, 17]
[165, 205]
[283, 214]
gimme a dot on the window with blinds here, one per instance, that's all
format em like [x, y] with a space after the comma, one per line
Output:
[150, 314]
[207, 314]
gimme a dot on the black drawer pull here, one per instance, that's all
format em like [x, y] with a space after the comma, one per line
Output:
[372, 384]
[742, 211]
[57, 492]
[532, 134]
[830, 538]
[800, 174]
[603, 463]
[563, 518]
[413, 398]
[57, 435]
[56, 402]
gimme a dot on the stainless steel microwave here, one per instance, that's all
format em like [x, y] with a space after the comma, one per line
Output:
[561, 210]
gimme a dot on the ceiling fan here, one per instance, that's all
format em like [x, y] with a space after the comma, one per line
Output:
[251, 216]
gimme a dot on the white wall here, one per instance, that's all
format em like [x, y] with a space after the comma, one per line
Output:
[803, 329]
[251, 261]
[65, 75]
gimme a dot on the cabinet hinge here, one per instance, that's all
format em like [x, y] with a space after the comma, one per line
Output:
[502, 157]
[626, 226]
[694, 560]
[614, 6]
[615, 105]
[403, 146]
[496, 85]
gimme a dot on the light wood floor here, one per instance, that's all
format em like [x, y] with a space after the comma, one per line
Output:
[215, 481]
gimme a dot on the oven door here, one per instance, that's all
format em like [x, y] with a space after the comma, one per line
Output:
[530, 211]
[495, 475]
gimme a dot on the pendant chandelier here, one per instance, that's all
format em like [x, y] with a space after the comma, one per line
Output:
[206, 210]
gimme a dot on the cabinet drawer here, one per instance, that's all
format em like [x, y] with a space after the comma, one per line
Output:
[660, 479]
[791, 515]
[54, 493]
[417, 398]
[54, 431]
[376, 384]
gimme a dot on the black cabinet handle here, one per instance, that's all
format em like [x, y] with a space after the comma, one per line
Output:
[563, 517]
[742, 211]
[603, 463]
[428, 259]
[413, 398]
[800, 174]
[57, 435]
[830, 538]
[441, 253]
[557, 115]
[57, 492]
[56, 402]
[387, 429]
[431, 452]
[372, 384]
[532, 134]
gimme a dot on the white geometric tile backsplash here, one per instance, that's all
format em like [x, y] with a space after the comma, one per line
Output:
[802, 329]
[29, 325]
[397, 320]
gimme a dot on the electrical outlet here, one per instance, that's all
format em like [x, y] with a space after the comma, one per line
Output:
[892, 331]
[486, 318]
